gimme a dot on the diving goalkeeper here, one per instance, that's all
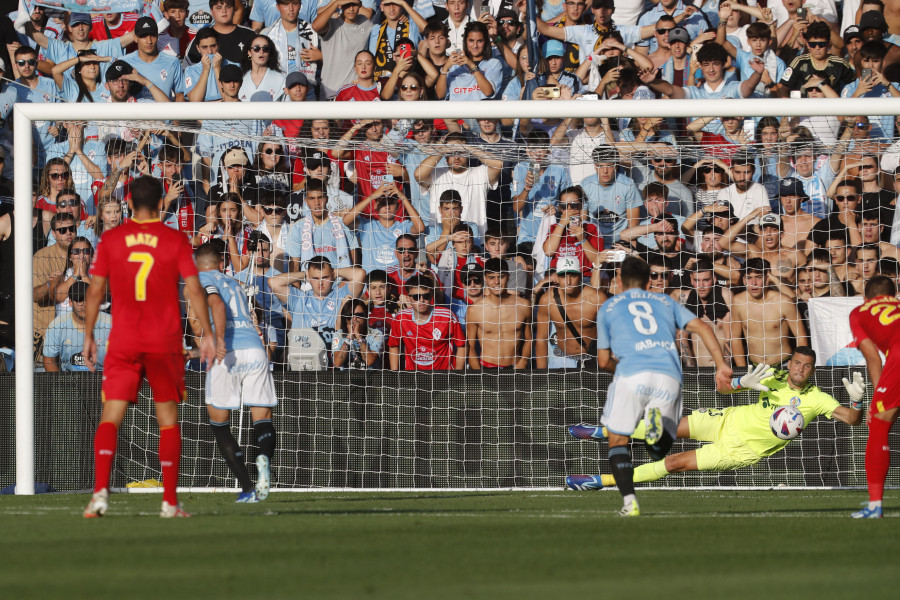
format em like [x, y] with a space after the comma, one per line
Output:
[740, 435]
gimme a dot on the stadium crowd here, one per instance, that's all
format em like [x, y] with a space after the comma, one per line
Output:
[473, 243]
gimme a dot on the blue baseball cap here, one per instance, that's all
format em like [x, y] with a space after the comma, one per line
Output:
[554, 48]
[791, 187]
[76, 17]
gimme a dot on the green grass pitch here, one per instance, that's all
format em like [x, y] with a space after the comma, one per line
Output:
[437, 545]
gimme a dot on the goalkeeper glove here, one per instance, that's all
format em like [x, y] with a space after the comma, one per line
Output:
[856, 389]
[752, 379]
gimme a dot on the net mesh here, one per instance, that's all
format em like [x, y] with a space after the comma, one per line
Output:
[370, 425]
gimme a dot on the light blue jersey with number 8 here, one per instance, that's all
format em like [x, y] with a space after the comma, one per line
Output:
[640, 328]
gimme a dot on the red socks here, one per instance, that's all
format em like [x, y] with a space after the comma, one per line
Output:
[105, 439]
[169, 457]
[878, 457]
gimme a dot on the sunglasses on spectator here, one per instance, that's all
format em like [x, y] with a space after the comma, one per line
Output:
[658, 275]
[58, 175]
[668, 161]
[65, 203]
[860, 125]
[850, 198]
[509, 21]
[262, 49]
[82, 251]
[406, 250]
[414, 87]
[418, 297]
[421, 130]
[65, 229]
[273, 210]
[817, 44]
[664, 30]
[571, 206]
[270, 151]
[30, 62]
[708, 170]
[360, 315]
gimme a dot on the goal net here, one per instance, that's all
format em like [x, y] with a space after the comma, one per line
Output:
[393, 355]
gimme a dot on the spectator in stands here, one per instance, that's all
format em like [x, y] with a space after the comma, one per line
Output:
[834, 70]
[179, 211]
[866, 263]
[694, 22]
[870, 228]
[498, 244]
[317, 165]
[177, 36]
[273, 226]
[364, 87]
[796, 223]
[255, 279]
[318, 307]
[844, 217]
[374, 165]
[471, 278]
[458, 18]
[451, 254]
[436, 43]
[387, 35]
[377, 235]
[270, 171]
[581, 143]
[342, 38]
[472, 74]
[68, 201]
[55, 177]
[48, 267]
[354, 346]
[768, 320]
[200, 78]
[320, 233]
[472, 182]
[439, 233]
[712, 58]
[262, 72]
[83, 85]
[572, 235]
[109, 216]
[665, 169]
[767, 246]
[79, 256]
[710, 175]
[34, 88]
[382, 301]
[613, 198]
[296, 45]
[65, 335]
[874, 85]
[536, 186]
[654, 209]
[666, 234]
[234, 40]
[498, 327]
[744, 195]
[759, 37]
[712, 304]
[78, 37]
[566, 319]
[430, 336]
[162, 71]
[411, 76]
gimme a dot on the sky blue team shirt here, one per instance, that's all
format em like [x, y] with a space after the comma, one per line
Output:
[608, 206]
[273, 310]
[323, 241]
[727, 89]
[640, 327]
[240, 333]
[585, 36]
[378, 242]
[65, 341]
[461, 83]
[266, 11]
[695, 24]
[543, 193]
[881, 126]
[192, 77]
[164, 72]
[309, 312]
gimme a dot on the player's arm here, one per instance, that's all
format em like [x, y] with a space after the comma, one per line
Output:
[195, 294]
[95, 295]
[708, 337]
[51, 364]
[873, 360]
[605, 360]
[849, 416]
[219, 316]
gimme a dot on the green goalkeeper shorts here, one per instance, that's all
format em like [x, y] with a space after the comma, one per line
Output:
[727, 451]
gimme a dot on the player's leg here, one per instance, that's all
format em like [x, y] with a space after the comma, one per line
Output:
[165, 374]
[259, 387]
[219, 421]
[626, 400]
[265, 438]
[878, 460]
[586, 431]
[105, 440]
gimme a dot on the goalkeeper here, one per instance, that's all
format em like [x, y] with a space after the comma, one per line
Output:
[740, 435]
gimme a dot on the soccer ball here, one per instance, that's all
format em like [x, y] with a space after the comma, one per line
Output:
[786, 422]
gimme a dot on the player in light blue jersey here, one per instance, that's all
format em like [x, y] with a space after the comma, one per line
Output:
[636, 332]
[240, 375]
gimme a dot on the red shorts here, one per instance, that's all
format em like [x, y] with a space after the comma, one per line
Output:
[887, 395]
[124, 371]
[488, 365]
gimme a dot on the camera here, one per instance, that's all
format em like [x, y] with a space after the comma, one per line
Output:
[254, 239]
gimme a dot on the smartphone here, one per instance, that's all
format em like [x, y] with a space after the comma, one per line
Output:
[575, 221]
[750, 128]
[550, 91]
[589, 97]
[485, 9]
[614, 61]
[619, 255]
[404, 50]
[865, 74]
[801, 13]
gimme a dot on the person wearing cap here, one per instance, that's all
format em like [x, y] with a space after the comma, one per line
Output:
[341, 38]
[498, 327]
[162, 70]
[769, 246]
[296, 44]
[200, 78]
[237, 177]
[802, 162]
[796, 223]
[234, 40]
[676, 69]
[211, 144]
[509, 34]
[570, 235]
[853, 41]
[64, 340]
[574, 13]
[296, 89]
[614, 201]
[693, 21]
[471, 290]
[554, 53]
[79, 38]
[124, 83]
[566, 319]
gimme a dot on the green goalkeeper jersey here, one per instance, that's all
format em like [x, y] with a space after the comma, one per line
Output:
[751, 422]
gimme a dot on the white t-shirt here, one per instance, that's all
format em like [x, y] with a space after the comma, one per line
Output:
[472, 184]
[744, 203]
[627, 13]
[581, 145]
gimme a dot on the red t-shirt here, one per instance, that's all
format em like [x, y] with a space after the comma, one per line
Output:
[371, 173]
[427, 346]
[570, 246]
[99, 28]
[354, 93]
[719, 146]
[143, 262]
[878, 320]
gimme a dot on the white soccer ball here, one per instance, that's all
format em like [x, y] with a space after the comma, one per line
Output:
[786, 422]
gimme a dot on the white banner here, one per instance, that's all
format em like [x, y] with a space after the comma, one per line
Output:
[91, 6]
[829, 324]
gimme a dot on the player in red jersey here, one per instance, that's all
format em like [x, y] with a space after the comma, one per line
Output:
[430, 336]
[142, 261]
[876, 326]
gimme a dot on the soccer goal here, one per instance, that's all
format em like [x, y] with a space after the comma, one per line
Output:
[352, 427]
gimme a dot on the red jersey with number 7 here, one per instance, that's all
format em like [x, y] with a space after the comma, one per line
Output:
[143, 262]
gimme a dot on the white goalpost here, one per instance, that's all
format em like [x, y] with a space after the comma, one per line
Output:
[25, 115]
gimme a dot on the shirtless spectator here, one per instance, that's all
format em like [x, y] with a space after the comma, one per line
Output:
[712, 304]
[566, 335]
[764, 321]
[796, 223]
[500, 323]
[726, 267]
[767, 246]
